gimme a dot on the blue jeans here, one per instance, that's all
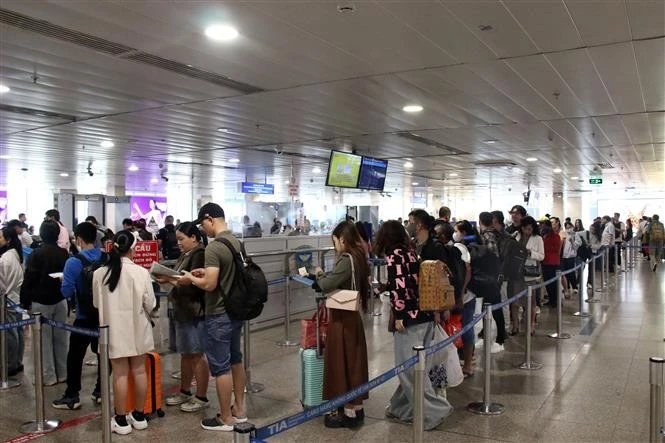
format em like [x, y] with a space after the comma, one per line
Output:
[222, 346]
[469, 337]
[15, 343]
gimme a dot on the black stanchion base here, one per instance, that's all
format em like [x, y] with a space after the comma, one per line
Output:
[558, 336]
[35, 427]
[9, 384]
[480, 408]
[531, 366]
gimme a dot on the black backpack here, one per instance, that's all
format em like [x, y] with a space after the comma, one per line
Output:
[513, 256]
[170, 248]
[584, 251]
[485, 267]
[249, 291]
[84, 299]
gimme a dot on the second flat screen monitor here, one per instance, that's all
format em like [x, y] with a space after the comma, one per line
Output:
[344, 170]
[373, 174]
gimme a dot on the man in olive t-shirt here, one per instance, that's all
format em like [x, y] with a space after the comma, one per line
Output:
[222, 332]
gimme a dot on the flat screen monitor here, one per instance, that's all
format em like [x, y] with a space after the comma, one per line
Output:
[343, 170]
[373, 174]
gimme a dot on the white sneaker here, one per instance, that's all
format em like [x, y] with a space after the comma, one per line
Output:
[178, 399]
[194, 404]
[496, 348]
[122, 430]
[139, 425]
[479, 343]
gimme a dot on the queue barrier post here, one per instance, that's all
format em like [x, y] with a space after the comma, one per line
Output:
[243, 432]
[528, 364]
[486, 407]
[105, 377]
[580, 283]
[603, 262]
[559, 312]
[39, 425]
[287, 342]
[250, 387]
[5, 382]
[656, 414]
[372, 296]
[419, 395]
[617, 257]
[594, 287]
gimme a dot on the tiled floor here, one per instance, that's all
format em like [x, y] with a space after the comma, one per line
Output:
[591, 388]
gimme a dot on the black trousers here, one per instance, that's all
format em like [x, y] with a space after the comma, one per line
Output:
[566, 264]
[78, 346]
[492, 294]
[549, 271]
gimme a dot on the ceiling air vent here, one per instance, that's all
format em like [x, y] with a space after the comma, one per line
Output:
[420, 139]
[190, 71]
[61, 33]
[605, 166]
[36, 112]
[495, 164]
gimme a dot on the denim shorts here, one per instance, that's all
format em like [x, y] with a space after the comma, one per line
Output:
[222, 346]
[190, 336]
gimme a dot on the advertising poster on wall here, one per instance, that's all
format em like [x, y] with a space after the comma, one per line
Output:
[152, 209]
[3, 206]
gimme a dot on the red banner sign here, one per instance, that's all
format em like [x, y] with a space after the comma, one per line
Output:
[145, 253]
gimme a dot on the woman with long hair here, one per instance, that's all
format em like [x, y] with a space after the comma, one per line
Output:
[345, 354]
[411, 325]
[11, 279]
[122, 291]
[529, 238]
[595, 237]
[189, 313]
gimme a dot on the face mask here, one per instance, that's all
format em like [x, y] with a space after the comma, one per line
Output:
[457, 237]
[411, 229]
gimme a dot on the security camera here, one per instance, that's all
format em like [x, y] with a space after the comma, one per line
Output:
[90, 173]
[165, 178]
[510, 189]
[279, 150]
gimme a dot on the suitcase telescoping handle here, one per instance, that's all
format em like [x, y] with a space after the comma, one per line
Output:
[319, 299]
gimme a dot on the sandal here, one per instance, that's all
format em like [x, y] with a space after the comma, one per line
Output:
[467, 374]
[238, 418]
[514, 332]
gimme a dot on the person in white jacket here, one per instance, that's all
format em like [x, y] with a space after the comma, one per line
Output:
[607, 239]
[529, 237]
[11, 280]
[122, 291]
[569, 258]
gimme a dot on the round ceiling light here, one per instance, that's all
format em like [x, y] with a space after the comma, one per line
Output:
[64, 174]
[557, 170]
[453, 174]
[234, 160]
[408, 165]
[316, 170]
[133, 168]
[154, 180]
[221, 33]
[574, 178]
[4, 89]
[107, 144]
[531, 159]
[412, 108]
[415, 183]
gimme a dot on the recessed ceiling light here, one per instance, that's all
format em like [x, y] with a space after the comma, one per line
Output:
[408, 165]
[64, 174]
[221, 33]
[5, 157]
[531, 159]
[415, 183]
[107, 144]
[490, 142]
[225, 130]
[154, 180]
[286, 182]
[412, 108]
[4, 89]
[234, 160]
[316, 170]
[557, 170]
[453, 174]
[574, 178]
[133, 168]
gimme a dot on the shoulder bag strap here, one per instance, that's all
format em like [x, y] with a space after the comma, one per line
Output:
[353, 272]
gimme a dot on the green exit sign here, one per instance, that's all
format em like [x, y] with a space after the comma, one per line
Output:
[595, 181]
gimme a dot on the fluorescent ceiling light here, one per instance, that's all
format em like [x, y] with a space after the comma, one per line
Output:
[107, 144]
[316, 170]
[412, 108]
[133, 168]
[557, 170]
[154, 180]
[415, 183]
[225, 130]
[408, 165]
[490, 142]
[574, 178]
[234, 160]
[221, 33]
[64, 174]
[453, 174]
[4, 89]
[286, 182]
[531, 159]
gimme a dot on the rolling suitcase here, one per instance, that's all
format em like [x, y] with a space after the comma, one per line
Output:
[153, 397]
[311, 370]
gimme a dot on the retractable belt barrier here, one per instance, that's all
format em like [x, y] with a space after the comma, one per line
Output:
[16, 324]
[70, 328]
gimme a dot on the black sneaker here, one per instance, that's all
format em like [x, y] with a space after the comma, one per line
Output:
[65, 402]
[96, 397]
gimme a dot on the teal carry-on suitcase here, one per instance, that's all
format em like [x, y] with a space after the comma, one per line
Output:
[311, 371]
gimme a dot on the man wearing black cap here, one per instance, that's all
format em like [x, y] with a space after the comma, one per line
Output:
[517, 213]
[222, 332]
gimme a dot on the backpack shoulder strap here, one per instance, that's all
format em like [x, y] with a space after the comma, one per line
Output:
[84, 261]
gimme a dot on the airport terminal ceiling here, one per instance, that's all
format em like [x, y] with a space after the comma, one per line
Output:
[512, 93]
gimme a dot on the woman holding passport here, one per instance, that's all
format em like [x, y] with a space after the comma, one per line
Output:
[188, 311]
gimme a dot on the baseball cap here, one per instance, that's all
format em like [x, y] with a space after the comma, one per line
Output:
[498, 215]
[212, 210]
[518, 208]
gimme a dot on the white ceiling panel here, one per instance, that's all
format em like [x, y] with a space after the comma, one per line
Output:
[600, 22]
[591, 132]
[651, 65]
[657, 123]
[638, 128]
[547, 23]
[613, 128]
[568, 132]
[623, 84]
[647, 18]
[579, 73]
[505, 38]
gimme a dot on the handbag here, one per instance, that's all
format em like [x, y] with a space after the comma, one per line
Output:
[453, 326]
[345, 299]
[531, 270]
[308, 329]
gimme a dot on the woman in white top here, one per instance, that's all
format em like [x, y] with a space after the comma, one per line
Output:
[11, 279]
[529, 237]
[569, 258]
[122, 291]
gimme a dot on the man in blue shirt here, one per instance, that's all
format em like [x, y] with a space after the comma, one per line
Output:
[74, 284]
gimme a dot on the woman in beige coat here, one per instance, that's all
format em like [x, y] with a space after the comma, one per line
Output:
[122, 291]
